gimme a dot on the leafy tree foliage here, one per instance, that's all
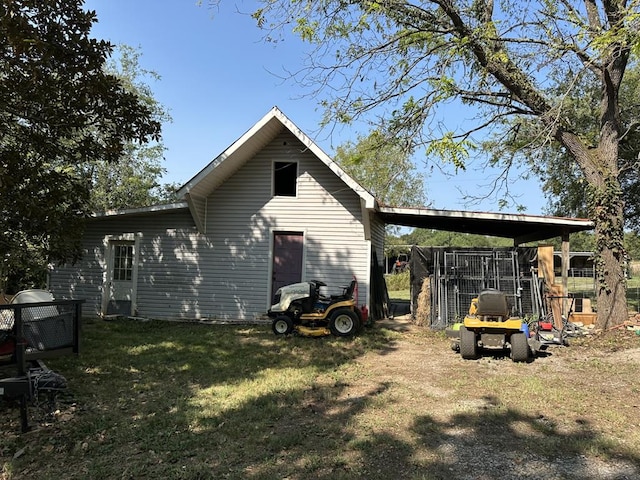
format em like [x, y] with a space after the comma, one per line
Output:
[134, 179]
[396, 245]
[580, 242]
[59, 109]
[632, 244]
[400, 60]
[561, 178]
[439, 238]
[383, 168]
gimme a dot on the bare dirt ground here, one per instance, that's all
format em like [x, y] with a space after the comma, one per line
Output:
[571, 413]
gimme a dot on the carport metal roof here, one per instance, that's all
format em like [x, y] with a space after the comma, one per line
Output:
[521, 228]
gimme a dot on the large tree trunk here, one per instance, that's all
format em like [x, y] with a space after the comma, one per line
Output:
[610, 263]
[606, 204]
[606, 198]
[612, 292]
[606, 201]
[599, 164]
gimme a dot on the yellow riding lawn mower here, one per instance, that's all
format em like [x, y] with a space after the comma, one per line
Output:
[489, 325]
[304, 308]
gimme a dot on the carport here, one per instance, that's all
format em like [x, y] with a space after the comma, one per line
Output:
[519, 227]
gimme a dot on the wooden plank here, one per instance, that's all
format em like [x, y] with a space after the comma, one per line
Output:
[584, 318]
[545, 264]
[555, 302]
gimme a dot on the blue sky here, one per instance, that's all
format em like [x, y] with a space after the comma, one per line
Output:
[218, 78]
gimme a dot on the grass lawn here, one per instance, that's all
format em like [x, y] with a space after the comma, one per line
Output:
[151, 400]
[400, 294]
[167, 400]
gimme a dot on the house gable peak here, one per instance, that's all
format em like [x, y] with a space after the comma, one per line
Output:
[207, 180]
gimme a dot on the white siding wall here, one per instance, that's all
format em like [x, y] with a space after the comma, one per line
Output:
[226, 273]
[169, 275]
[326, 210]
[378, 234]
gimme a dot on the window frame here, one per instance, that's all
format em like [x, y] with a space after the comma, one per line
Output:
[123, 254]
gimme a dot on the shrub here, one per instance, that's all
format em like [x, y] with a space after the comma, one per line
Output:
[397, 281]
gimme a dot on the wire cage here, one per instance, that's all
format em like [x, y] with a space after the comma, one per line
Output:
[457, 276]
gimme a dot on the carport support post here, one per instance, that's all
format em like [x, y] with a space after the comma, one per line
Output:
[565, 274]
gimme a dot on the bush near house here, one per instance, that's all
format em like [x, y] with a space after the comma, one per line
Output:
[397, 281]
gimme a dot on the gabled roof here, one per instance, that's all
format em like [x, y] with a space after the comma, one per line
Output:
[521, 228]
[196, 190]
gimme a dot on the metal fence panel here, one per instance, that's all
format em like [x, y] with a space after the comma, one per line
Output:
[465, 274]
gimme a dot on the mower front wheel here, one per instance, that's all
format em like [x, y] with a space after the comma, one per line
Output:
[282, 325]
[344, 323]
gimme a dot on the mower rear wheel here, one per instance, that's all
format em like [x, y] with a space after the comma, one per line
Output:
[468, 344]
[519, 347]
[282, 325]
[344, 323]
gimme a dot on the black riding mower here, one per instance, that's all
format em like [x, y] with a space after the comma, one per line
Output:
[301, 308]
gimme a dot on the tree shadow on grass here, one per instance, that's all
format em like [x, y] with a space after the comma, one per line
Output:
[230, 402]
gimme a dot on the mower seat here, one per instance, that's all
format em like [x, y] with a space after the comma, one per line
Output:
[347, 292]
[492, 303]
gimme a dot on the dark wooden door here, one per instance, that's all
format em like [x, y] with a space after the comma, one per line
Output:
[287, 259]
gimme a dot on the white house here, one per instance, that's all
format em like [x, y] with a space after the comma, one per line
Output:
[270, 210]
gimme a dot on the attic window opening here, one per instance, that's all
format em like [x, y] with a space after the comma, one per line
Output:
[285, 175]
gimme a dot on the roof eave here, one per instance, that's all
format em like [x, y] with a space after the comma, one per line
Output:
[168, 207]
[520, 227]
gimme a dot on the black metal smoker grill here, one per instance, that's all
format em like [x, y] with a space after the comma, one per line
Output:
[29, 334]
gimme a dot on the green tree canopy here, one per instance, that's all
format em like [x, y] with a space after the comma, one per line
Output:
[561, 178]
[401, 61]
[383, 168]
[134, 179]
[59, 109]
[440, 238]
